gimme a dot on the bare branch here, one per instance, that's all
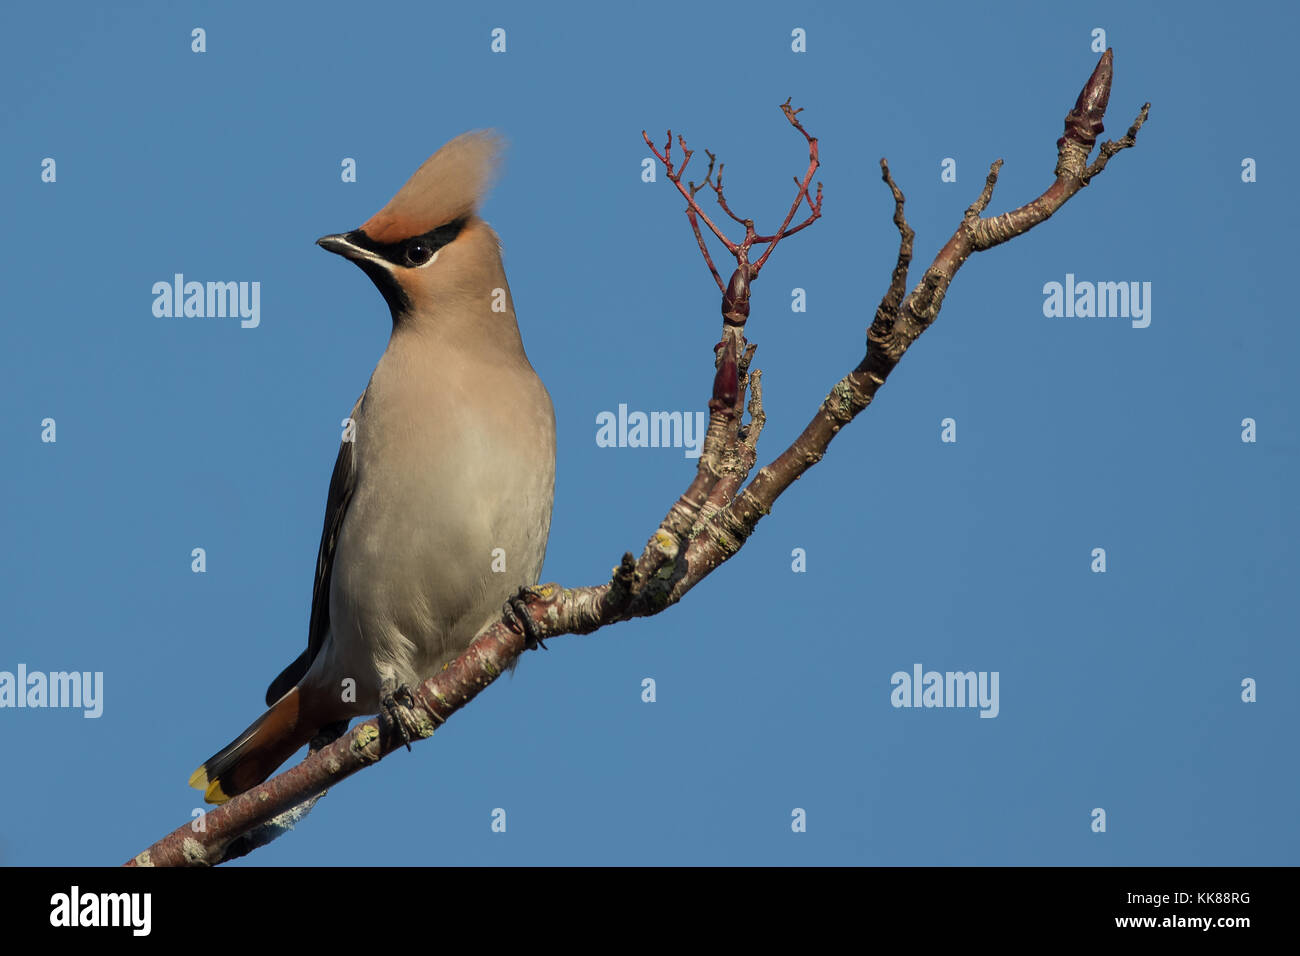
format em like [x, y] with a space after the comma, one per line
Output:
[740, 251]
[711, 520]
[722, 201]
[693, 209]
[898, 283]
[815, 207]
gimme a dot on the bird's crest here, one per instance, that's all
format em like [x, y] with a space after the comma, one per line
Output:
[448, 185]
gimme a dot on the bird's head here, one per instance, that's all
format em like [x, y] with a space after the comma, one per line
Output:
[426, 250]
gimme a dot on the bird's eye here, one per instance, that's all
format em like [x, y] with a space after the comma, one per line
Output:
[419, 251]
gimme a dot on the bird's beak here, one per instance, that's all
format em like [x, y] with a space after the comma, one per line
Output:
[339, 243]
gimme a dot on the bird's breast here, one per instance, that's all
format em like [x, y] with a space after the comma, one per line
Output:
[449, 516]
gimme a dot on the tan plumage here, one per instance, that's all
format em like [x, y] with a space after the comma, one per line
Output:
[453, 459]
[449, 184]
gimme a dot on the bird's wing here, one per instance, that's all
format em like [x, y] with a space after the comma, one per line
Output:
[342, 483]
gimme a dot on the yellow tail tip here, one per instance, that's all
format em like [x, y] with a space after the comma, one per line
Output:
[212, 791]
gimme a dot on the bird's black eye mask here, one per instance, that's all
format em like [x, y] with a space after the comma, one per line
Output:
[412, 252]
[407, 254]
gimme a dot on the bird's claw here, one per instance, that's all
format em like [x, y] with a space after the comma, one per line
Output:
[517, 616]
[395, 715]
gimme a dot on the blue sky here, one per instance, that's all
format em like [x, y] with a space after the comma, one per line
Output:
[1119, 690]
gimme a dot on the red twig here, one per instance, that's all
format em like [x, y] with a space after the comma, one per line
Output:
[746, 270]
[693, 209]
[815, 207]
[722, 201]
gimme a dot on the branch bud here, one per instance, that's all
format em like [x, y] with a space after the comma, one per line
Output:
[1083, 123]
[735, 301]
[726, 383]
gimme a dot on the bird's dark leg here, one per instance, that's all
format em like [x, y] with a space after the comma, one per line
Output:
[516, 614]
[327, 735]
[395, 718]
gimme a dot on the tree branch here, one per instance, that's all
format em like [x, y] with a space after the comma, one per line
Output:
[711, 520]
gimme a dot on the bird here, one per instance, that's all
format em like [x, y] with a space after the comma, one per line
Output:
[439, 506]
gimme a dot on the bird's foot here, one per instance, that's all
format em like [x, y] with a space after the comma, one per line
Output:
[327, 735]
[517, 616]
[395, 717]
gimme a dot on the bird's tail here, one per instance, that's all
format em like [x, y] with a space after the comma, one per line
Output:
[256, 753]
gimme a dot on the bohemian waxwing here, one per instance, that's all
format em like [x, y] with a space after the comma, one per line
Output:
[452, 457]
